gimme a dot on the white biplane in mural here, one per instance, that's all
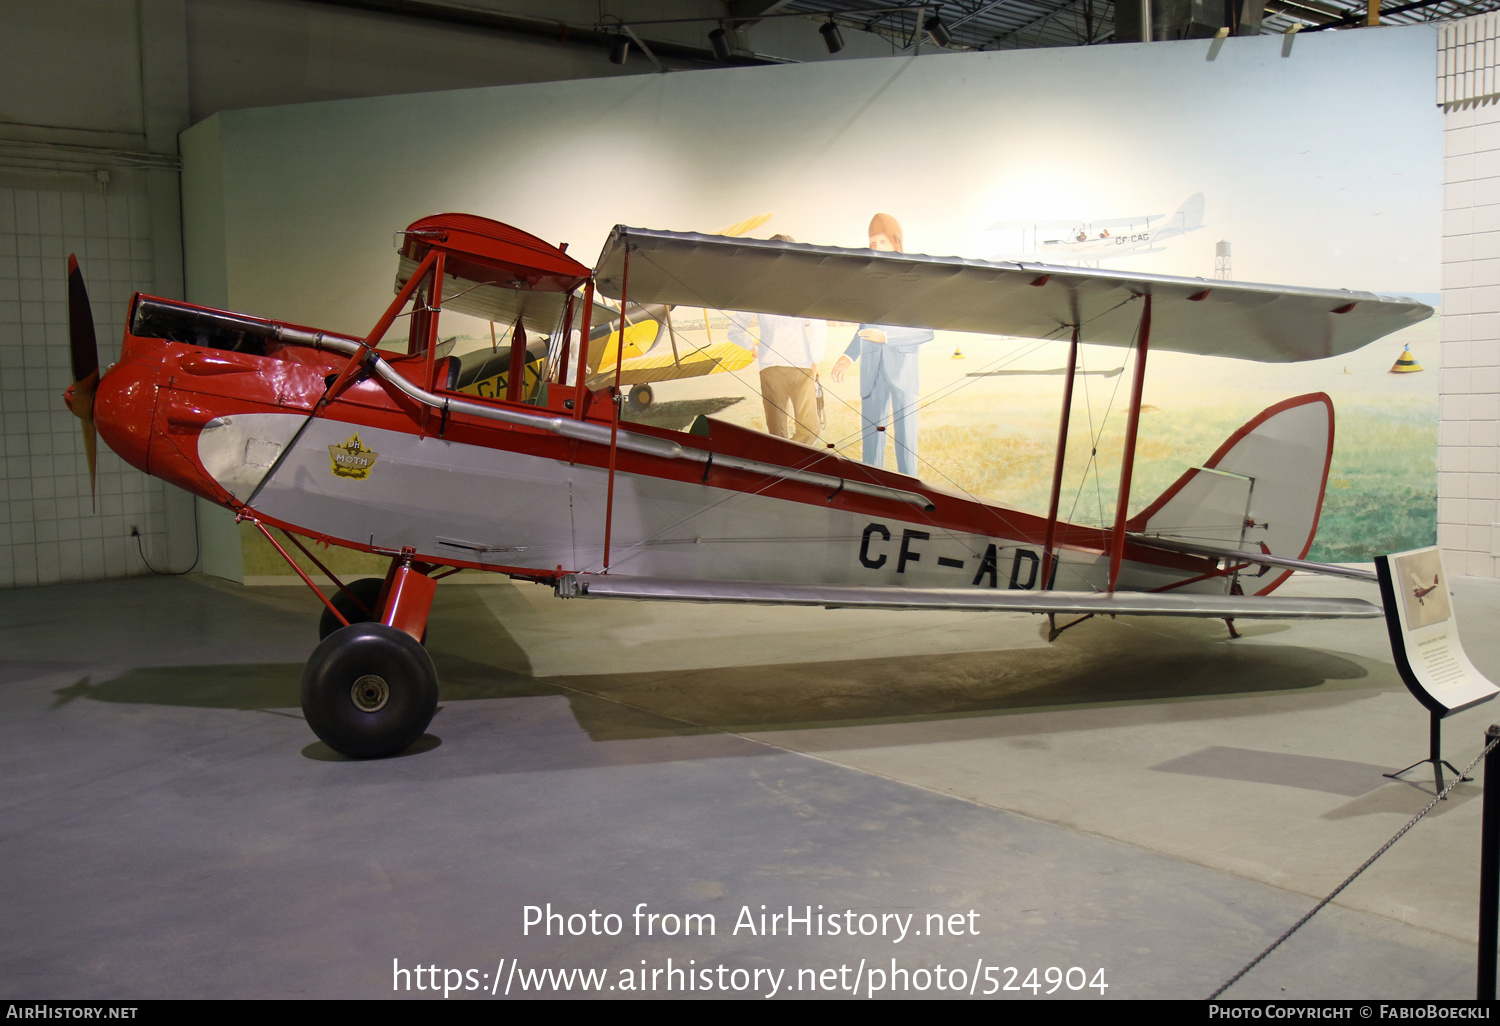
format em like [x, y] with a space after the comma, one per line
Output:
[1102, 239]
[362, 443]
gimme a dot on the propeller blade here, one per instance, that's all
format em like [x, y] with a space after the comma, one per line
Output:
[749, 224]
[83, 347]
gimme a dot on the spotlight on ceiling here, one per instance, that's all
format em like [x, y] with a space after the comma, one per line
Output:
[937, 31]
[831, 37]
[719, 40]
[619, 49]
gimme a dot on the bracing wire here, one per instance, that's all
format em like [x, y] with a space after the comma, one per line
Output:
[942, 392]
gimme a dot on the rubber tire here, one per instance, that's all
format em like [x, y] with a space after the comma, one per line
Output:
[641, 397]
[367, 590]
[345, 656]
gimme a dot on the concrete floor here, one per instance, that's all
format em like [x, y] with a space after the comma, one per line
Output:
[1143, 797]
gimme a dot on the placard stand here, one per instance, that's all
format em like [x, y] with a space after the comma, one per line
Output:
[1425, 646]
[1434, 754]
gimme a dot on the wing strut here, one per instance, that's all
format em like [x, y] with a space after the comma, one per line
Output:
[515, 384]
[614, 424]
[560, 375]
[1057, 467]
[580, 389]
[1127, 464]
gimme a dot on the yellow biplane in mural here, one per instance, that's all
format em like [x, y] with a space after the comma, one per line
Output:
[653, 348]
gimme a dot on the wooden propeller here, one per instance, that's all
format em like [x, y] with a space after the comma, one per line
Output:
[83, 347]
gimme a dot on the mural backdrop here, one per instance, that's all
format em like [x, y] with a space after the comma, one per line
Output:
[1176, 158]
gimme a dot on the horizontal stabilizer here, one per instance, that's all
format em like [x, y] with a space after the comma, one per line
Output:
[1258, 558]
[1253, 607]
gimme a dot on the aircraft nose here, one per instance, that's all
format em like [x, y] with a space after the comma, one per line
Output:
[124, 408]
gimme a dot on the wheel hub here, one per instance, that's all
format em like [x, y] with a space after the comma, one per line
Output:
[370, 693]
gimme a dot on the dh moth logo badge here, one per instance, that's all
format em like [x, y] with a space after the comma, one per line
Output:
[352, 459]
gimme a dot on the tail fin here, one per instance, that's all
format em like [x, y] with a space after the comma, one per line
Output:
[1189, 217]
[1262, 489]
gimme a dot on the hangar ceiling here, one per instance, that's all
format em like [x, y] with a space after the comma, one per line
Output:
[1010, 24]
[678, 31]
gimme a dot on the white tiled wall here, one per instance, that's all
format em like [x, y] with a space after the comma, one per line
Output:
[1469, 428]
[49, 530]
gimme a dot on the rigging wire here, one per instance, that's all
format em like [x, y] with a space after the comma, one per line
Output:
[1003, 360]
[1096, 438]
[943, 391]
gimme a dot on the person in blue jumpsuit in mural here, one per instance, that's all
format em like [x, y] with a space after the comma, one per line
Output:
[887, 358]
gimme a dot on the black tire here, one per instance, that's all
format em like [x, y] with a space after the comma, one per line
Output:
[367, 591]
[369, 690]
[641, 397]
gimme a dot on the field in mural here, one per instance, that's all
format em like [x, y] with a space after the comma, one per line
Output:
[990, 410]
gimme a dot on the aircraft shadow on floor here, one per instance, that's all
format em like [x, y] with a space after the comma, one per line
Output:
[1099, 662]
[276, 685]
[1085, 670]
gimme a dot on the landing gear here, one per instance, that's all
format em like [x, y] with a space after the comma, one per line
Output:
[359, 604]
[641, 397]
[369, 690]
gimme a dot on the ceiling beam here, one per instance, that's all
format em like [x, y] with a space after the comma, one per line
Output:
[744, 10]
[558, 32]
[1037, 23]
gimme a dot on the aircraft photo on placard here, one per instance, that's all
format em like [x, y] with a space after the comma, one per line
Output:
[1424, 596]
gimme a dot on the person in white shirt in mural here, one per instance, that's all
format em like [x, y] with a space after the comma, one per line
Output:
[788, 351]
[887, 357]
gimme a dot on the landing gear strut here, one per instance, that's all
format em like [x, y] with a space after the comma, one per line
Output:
[360, 603]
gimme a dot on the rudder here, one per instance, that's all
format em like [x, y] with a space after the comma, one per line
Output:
[1262, 490]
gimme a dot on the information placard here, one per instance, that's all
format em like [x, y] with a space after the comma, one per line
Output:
[1424, 636]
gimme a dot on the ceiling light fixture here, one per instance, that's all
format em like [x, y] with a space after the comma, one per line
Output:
[831, 36]
[719, 40]
[937, 31]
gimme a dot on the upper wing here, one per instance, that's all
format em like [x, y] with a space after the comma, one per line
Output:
[1191, 315]
[1077, 222]
[494, 300]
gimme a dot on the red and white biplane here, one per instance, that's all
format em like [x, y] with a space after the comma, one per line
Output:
[350, 441]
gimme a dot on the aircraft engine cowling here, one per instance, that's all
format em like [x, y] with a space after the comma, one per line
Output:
[125, 407]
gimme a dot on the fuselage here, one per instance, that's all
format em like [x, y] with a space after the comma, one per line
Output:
[230, 417]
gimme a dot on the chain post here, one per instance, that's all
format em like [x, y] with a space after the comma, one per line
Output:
[1489, 870]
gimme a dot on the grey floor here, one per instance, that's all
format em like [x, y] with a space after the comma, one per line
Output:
[1143, 797]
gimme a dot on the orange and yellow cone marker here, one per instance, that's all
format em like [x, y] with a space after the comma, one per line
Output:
[1406, 363]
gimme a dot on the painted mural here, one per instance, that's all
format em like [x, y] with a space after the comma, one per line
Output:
[1107, 157]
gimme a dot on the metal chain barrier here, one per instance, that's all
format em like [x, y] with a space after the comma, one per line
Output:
[1350, 878]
